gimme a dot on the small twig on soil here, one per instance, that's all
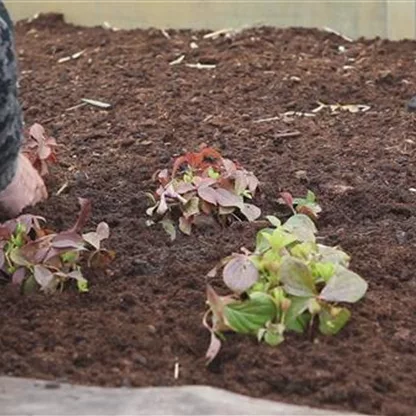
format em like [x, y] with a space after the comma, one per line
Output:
[177, 60]
[207, 118]
[216, 34]
[287, 134]
[95, 103]
[264, 120]
[176, 371]
[71, 57]
[62, 189]
[165, 34]
[329, 30]
[201, 66]
[76, 106]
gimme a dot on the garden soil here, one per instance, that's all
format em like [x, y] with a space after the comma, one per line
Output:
[145, 315]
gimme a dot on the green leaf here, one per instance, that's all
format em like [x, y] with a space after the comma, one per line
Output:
[331, 321]
[302, 227]
[262, 241]
[274, 220]
[240, 274]
[310, 196]
[303, 251]
[323, 271]
[213, 174]
[273, 338]
[269, 264]
[333, 255]
[344, 286]
[296, 277]
[247, 317]
[29, 285]
[18, 259]
[280, 239]
[169, 228]
[69, 257]
[82, 285]
[297, 307]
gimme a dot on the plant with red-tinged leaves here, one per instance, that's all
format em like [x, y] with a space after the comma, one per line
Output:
[33, 257]
[203, 186]
[40, 149]
[307, 205]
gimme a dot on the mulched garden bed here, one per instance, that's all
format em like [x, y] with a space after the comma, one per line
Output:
[134, 324]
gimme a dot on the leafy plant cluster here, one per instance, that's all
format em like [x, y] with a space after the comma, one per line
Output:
[40, 149]
[33, 257]
[203, 185]
[289, 283]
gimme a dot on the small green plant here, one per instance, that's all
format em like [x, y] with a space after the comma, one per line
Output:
[203, 185]
[307, 206]
[34, 257]
[289, 283]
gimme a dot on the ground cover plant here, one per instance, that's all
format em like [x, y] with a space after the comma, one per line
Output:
[289, 283]
[203, 185]
[144, 317]
[34, 257]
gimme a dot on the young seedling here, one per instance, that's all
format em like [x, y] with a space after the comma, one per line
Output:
[307, 206]
[40, 149]
[287, 283]
[34, 257]
[203, 185]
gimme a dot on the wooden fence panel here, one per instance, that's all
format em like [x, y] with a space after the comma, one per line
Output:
[369, 18]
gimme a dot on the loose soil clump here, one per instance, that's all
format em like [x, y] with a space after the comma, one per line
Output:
[133, 325]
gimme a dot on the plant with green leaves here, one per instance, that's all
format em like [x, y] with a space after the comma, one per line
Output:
[289, 283]
[308, 205]
[34, 257]
[203, 187]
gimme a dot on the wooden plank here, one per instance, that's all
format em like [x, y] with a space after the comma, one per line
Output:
[393, 18]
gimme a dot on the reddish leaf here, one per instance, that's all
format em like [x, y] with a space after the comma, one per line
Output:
[303, 209]
[208, 194]
[241, 182]
[206, 207]
[213, 349]
[19, 276]
[185, 225]
[43, 276]
[215, 303]
[184, 187]
[83, 215]
[287, 199]
[229, 167]
[228, 199]
[253, 182]
[67, 240]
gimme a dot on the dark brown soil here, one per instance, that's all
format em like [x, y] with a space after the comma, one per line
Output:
[132, 326]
